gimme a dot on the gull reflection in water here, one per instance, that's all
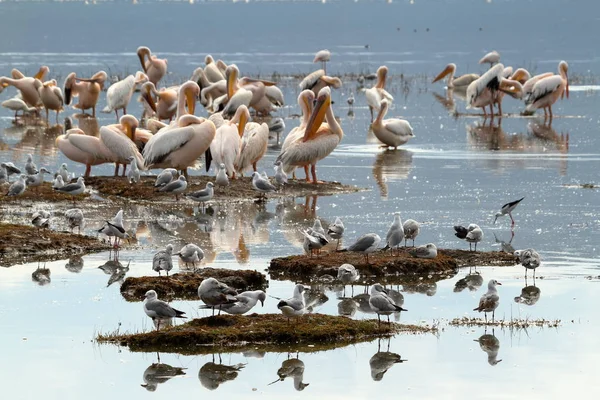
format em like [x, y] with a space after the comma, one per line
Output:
[472, 281]
[506, 247]
[212, 375]
[75, 264]
[490, 345]
[292, 368]
[530, 294]
[115, 269]
[382, 361]
[391, 165]
[158, 373]
[41, 275]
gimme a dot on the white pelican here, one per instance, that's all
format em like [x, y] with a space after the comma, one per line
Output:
[211, 70]
[452, 82]
[547, 90]
[377, 93]
[253, 147]
[492, 58]
[52, 97]
[482, 92]
[225, 148]
[255, 86]
[305, 101]
[119, 94]
[392, 132]
[119, 140]
[180, 144]
[28, 87]
[319, 139]
[323, 56]
[165, 107]
[84, 149]
[87, 90]
[41, 74]
[16, 104]
[212, 92]
[521, 75]
[317, 80]
[154, 67]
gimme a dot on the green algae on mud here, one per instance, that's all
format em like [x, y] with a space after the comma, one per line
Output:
[383, 266]
[21, 244]
[269, 332]
[185, 285]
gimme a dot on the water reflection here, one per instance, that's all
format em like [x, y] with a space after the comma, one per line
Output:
[115, 269]
[212, 375]
[472, 281]
[382, 361]
[348, 307]
[427, 288]
[158, 373]
[75, 264]
[506, 247]
[294, 368]
[41, 275]
[449, 100]
[490, 345]
[391, 165]
[314, 297]
[530, 294]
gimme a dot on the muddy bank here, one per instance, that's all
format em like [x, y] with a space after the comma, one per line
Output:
[44, 192]
[185, 285]
[233, 332]
[384, 267]
[21, 244]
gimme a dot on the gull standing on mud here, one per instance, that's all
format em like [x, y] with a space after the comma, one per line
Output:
[336, 231]
[215, 294]
[294, 306]
[507, 209]
[18, 187]
[411, 230]
[280, 175]
[347, 274]
[165, 177]
[529, 258]
[366, 244]
[490, 300]
[472, 234]
[176, 187]
[221, 179]
[30, 166]
[73, 189]
[134, 172]
[162, 260]
[245, 301]
[202, 196]
[159, 310]
[75, 219]
[427, 251]
[37, 179]
[58, 182]
[190, 253]
[395, 234]
[262, 185]
[63, 172]
[313, 241]
[381, 303]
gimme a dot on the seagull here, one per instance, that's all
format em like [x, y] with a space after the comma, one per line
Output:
[313, 240]
[508, 208]
[166, 177]
[381, 303]
[411, 230]
[427, 251]
[176, 187]
[75, 219]
[245, 301]
[158, 309]
[366, 244]
[350, 100]
[472, 234]
[73, 189]
[41, 219]
[489, 301]
[190, 253]
[294, 306]
[134, 172]
[529, 258]
[395, 234]
[214, 293]
[63, 172]
[221, 179]
[280, 175]
[162, 260]
[336, 231]
[10, 169]
[18, 187]
[58, 182]
[262, 185]
[37, 179]
[347, 274]
[203, 195]
[30, 166]
[3, 176]
[115, 228]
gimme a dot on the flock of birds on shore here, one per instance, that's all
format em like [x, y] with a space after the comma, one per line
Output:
[236, 145]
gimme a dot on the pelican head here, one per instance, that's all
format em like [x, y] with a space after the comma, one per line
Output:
[241, 117]
[148, 89]
[231, 75]
[142, 53]
[381, 76]
[318, 114]
[563, 69]
[129, 123]
[306, 100]
[521, 75]
[449, 70]
[190, 91]
[208, 59]
[140, 77]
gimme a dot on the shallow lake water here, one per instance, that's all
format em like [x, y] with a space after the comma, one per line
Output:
[457, 170]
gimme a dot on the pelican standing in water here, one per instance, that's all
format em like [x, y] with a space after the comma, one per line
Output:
[119, 94]
[392, 132]
[180, 144]
[119, 139]
[16, 104]
[225, 148]
[377, 93]
[155, 68]
[253, 147]
[323, 56]
[165, 106]
[305, 101]
[547, 90]
[483, 91]
[319, 139]
[461, 82]
[84, 149]
[87, 90]
[51, 97]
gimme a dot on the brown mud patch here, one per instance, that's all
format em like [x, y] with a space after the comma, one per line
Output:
[21, 244]
[270, 332]
[383, 267]
[184, 286]
[44, 192]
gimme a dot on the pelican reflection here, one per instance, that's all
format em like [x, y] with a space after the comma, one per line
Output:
[391, 165]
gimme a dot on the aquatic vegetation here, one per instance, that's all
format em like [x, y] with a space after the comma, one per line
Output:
[517, 323]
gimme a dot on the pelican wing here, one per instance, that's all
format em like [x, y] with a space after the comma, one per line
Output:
[242, 96]
[164, 143]
[543, 87]
[90, 145]
[465, 80]
[311, 80]
[58, 93]
[120, 145]
[399, 127]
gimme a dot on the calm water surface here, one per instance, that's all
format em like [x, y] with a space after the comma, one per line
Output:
[456, 170]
